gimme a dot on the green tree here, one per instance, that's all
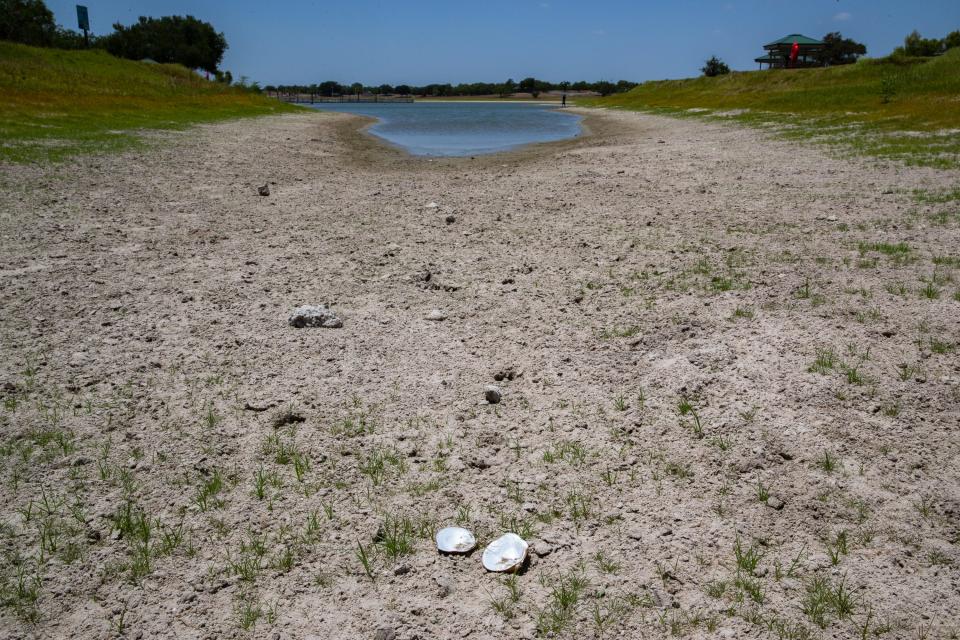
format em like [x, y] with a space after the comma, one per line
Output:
[604, 87]
[529, 85]
[27, 21]
[507, 88]
[329, 88]
[715, 67]
[952, 40]
[840, 50]
[918, 46]
[178, 39]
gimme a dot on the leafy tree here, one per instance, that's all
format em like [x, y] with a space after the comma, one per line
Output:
[916, 45]
[840, 50]
[604, 87]
[507, 88]
[69, 39]
[178, 39]
[403, 89]
[715, 67]
[27, 22]
[952, 40]
[385, 88]
[329, 88]
[531, 86]
[356, 88]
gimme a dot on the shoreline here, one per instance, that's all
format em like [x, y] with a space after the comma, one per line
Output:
[369, 150]
[590, 125]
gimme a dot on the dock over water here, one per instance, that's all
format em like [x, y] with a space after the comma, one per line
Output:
[311, 98]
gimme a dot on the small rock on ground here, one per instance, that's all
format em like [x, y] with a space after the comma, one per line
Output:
[436, 315]
[492, 394]
[314, 316]
[264, 190]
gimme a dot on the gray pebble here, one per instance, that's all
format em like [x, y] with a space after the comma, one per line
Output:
[314, 316]
[385, 633]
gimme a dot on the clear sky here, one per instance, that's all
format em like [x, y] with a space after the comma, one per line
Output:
[422, 41]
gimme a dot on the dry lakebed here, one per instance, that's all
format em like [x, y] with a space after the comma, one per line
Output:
[726, 368]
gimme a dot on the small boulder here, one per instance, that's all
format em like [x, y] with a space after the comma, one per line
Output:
[314, 316]
[451, 219]
[264, 190]
[775, 503]
[436, 316]
[492, 394]
[385, 633]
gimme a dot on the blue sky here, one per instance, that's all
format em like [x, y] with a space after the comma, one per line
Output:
[421, 41]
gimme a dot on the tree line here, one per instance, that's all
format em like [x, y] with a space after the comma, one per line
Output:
[533, 86]
[171, 39]
[915, 45]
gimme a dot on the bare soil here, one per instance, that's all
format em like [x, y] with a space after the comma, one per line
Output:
[729, 370]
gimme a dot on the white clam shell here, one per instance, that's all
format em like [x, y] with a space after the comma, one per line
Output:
[455, 540]
[506, 553]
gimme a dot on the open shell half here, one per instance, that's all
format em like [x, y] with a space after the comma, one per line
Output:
[455, 540]
[506, 553]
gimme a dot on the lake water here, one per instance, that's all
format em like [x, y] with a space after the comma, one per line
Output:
[463, 128]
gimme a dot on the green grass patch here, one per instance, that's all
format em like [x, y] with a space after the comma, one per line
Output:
[938, 197]
[55, 103]
[849, 106]
[885, 248]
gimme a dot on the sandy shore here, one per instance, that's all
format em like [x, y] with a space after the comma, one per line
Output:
[704, 336]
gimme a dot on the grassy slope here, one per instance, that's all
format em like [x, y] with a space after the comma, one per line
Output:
[836, 105]
[58, 103]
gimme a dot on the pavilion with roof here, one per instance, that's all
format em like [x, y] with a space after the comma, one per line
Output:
[778, 52]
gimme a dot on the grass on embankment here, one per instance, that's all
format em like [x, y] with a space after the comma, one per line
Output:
[908, 109]
[55, 103]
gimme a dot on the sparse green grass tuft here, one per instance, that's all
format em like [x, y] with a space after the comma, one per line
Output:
[565, 592]
[825, 361]
[823, 601]
[828, 462]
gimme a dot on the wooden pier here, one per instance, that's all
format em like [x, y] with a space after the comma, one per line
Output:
[311, 98]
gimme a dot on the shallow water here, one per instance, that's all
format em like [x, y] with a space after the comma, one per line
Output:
[463, 128]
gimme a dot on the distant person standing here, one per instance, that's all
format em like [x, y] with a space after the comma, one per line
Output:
[563, 100]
